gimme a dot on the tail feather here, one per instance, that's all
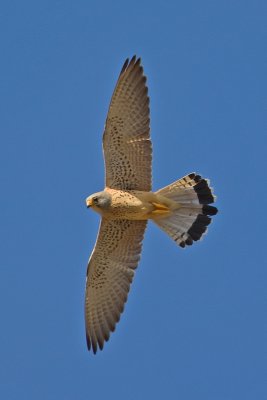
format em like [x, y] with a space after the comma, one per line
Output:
[189, 222]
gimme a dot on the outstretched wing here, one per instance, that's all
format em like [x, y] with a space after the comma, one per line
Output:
[109, 275]
[126, 140]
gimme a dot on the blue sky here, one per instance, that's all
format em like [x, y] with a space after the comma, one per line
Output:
[193, 327]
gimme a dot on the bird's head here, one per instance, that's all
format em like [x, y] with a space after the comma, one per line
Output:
[99, 201]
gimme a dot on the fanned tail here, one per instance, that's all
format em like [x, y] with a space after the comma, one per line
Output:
[188, 222]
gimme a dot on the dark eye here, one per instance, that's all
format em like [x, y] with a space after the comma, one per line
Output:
[95, 200]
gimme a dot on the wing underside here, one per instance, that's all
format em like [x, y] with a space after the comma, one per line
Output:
[126, 140]
[109, 275]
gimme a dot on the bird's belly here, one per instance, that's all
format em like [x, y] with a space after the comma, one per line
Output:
[128, 205]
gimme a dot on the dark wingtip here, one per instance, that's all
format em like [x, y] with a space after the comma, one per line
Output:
[91, 344]
[138, 61]
[88, 342]
[94, 345]
[130, 63]
[125, 65]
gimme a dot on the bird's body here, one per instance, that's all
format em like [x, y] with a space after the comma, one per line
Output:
[181, 209]
[133, 205]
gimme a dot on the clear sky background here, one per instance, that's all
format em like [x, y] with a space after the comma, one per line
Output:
[193, 327]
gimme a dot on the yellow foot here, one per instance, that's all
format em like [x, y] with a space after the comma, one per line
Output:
[160, 209]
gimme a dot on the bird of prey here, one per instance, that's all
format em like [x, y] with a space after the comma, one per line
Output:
[181, 209]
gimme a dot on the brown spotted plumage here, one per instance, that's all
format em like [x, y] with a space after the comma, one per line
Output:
[126, 140]
[181, 209]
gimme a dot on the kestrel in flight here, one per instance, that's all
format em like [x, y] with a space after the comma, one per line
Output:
[181, 209]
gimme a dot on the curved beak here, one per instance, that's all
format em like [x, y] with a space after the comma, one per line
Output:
[88, 202]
